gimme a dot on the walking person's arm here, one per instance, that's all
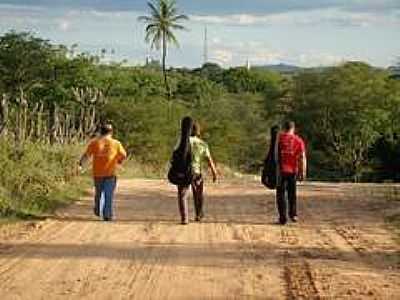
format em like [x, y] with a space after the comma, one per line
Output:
[121, 154]
[85, 156]
[83, 159]
[211, 164]
[303, 167]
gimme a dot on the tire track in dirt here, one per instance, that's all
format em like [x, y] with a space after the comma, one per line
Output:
[44, 234]
[343, 248]
[139, 269]
[152, 268]
[297, 272]
[76, 283]
[234, 254]
[41, 271]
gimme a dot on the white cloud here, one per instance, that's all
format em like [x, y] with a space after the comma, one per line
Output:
[333, 16]
[93, 13]
[222, 56]
[313, 58]
[64, 25]
[238, 53]
[228, 53]
[20, 8]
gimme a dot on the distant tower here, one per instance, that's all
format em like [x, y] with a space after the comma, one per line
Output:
[248, 64]
[205, 54]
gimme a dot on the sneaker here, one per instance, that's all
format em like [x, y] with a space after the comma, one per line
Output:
[96, 212]
[199, 218]
[294, 219]
[184, 222]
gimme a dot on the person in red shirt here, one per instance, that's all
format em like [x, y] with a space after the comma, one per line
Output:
[292, 165]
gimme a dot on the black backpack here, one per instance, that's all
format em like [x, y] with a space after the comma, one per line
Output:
[180, 173]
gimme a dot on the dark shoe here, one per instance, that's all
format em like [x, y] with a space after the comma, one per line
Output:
[185, 222]
[282, 222]
[107, 219]
[199, 218]
[294, 219]
[96, 212]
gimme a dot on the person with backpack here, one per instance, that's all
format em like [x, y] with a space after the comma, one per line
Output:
[107, 154]
[186, 169]
[290, 155]
[200, 153]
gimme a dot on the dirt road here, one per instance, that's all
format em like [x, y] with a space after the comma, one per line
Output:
[341, 248]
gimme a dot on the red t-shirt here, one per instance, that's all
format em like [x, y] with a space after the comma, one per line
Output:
[290, 147]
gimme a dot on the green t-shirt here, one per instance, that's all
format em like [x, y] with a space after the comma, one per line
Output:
[200, 151]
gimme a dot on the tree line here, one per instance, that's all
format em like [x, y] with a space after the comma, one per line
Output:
[347, 114]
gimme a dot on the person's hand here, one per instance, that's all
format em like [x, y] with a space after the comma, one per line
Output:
[79, 169]
[301, 176]
[215, 178]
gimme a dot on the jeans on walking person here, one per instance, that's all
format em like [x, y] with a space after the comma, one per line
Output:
[286, 186]
[198, 198]
[104, 186]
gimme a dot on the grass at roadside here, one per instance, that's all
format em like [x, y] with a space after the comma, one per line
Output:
[36, 179]
[134, 169]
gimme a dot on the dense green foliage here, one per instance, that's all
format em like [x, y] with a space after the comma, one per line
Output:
[36, 178]
[347, 114]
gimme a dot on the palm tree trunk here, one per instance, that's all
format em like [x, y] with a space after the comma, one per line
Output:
[164, 68]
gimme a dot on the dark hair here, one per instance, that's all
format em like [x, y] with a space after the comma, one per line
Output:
[186, 132]
[196, 129]
[288, 125]
[106, 128]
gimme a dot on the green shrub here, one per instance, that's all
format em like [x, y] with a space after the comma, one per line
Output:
[35, 178]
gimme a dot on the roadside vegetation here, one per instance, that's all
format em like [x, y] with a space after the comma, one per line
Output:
[52, 99]
[37, 178]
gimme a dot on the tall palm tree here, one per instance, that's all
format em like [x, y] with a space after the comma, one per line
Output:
[160, 24]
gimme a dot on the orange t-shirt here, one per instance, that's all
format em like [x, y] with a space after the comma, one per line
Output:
[107, 153]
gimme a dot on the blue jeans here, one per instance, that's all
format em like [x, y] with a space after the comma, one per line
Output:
[104, 186]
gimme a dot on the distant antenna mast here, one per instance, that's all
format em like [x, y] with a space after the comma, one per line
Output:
[205, 55]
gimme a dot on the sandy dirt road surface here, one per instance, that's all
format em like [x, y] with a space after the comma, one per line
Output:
[340, 249]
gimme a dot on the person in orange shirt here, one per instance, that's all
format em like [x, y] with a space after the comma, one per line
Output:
[107, 154]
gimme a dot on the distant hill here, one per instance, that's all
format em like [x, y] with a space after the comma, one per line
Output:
[395, 72]
[290, 69]
[281, 68]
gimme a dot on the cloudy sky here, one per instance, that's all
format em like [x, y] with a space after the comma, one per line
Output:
[301, 32]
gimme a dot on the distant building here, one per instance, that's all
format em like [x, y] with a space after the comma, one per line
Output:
[152, 62]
